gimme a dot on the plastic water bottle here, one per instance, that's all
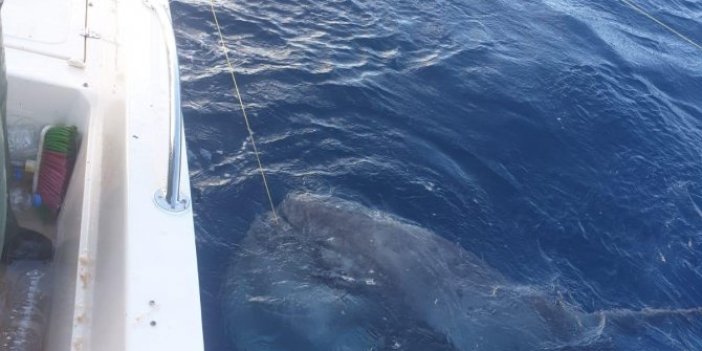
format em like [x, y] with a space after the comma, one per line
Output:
[23, 140]
[22, 200]
[22, 327]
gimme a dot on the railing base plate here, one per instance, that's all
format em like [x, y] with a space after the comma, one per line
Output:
[181, 204]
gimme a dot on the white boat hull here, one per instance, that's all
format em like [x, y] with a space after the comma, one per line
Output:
[125, 270]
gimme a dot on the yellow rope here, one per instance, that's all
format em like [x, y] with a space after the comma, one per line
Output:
[670, 29]
[243, 110]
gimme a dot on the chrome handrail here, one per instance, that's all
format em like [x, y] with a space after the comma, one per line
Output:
[171, 199]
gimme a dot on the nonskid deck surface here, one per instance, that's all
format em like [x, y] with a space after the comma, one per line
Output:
[25, 292]
[24, 305]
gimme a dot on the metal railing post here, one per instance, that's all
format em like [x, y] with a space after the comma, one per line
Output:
[171, 199]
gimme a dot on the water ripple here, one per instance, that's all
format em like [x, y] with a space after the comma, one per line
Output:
[558, 140]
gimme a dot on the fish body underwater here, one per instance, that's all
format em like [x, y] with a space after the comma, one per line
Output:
[331, 274]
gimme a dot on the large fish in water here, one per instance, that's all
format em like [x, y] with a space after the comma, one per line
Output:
[329, 274]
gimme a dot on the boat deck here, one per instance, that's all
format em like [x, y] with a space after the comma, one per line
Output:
[124, 275]
[55, 29]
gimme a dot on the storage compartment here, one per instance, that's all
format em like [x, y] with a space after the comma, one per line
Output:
[31, 106]
[44, 294]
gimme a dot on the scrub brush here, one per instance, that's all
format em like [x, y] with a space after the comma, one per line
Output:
[57, 150]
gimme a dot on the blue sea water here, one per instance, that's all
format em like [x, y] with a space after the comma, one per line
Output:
[557, 140]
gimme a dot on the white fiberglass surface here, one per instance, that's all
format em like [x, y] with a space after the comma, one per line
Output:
[43, 103]
[50, 27]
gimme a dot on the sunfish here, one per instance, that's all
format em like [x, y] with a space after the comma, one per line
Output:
[331, 274]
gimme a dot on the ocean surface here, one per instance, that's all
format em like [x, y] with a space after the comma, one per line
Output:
[558, 142]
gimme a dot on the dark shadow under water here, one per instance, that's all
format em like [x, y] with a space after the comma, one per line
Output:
[330, 274]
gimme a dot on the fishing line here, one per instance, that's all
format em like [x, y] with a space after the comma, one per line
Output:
[243, 110]
[667, 27]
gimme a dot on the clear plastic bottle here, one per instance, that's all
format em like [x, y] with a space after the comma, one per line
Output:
[20, 196]
[20, 199]
[24, 321]
[23, 140]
